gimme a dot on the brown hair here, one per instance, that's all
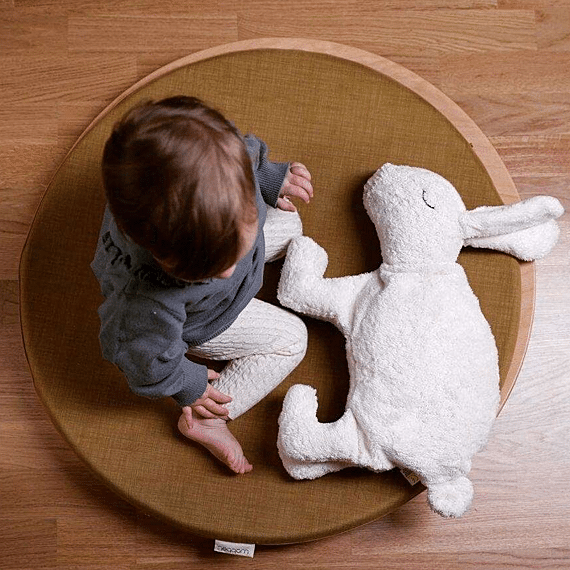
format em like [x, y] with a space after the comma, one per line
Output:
[179, 183]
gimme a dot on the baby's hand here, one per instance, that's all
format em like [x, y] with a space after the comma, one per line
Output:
[209, 404]
[297, 183]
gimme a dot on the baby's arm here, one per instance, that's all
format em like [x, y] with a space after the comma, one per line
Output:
[278, 181]
[151, 354]
[304, 289]
[269, 175]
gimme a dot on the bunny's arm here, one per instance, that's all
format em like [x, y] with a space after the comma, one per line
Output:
[304, 289]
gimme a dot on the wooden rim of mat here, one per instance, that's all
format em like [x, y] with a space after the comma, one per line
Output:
[482, 147]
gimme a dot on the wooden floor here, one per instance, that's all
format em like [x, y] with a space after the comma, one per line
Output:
[506, 62]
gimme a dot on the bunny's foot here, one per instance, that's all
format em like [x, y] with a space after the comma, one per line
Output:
[452, 498]
[303, 440]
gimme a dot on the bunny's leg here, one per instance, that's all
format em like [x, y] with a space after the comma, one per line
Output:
[311, 469]
[316, 447]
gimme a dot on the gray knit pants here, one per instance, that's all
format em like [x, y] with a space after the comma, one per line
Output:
[265, 343]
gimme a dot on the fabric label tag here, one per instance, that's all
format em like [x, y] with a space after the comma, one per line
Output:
[410, 476]
[235, 548]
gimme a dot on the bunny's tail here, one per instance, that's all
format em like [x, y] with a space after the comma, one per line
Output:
[452, 498]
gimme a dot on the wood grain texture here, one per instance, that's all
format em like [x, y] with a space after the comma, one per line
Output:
[402, 32]
[505, 62]
[128, 34]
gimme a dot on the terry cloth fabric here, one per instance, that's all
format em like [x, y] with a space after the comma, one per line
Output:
[424, 368]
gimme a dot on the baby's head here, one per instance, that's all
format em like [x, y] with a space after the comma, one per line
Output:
[179, 183]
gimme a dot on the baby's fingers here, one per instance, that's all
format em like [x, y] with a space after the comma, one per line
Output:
[212, 374]
[215, 408]
[286, 205]
[205, 413]
[300, 187]
[216, 395]
[300, 169]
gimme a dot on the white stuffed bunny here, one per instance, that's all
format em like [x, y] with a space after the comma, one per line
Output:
[424, 374]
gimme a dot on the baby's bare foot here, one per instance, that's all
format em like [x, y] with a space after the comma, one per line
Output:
[215, 436]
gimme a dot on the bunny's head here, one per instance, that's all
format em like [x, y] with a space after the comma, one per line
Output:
[422, 221]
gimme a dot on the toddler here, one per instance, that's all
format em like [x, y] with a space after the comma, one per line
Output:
[194, 211]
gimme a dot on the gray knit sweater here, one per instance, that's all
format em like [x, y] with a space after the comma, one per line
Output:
[149, 319]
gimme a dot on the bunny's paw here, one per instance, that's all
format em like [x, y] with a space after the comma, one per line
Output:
[305, 256]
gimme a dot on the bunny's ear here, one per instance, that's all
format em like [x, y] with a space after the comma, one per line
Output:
[526, 229]
[528, 245]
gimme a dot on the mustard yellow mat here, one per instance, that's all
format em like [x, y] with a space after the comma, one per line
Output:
[343, 113]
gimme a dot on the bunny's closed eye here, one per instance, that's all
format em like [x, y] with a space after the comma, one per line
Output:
[425, 199]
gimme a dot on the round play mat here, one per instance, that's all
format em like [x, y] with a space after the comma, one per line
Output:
[343, 112]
